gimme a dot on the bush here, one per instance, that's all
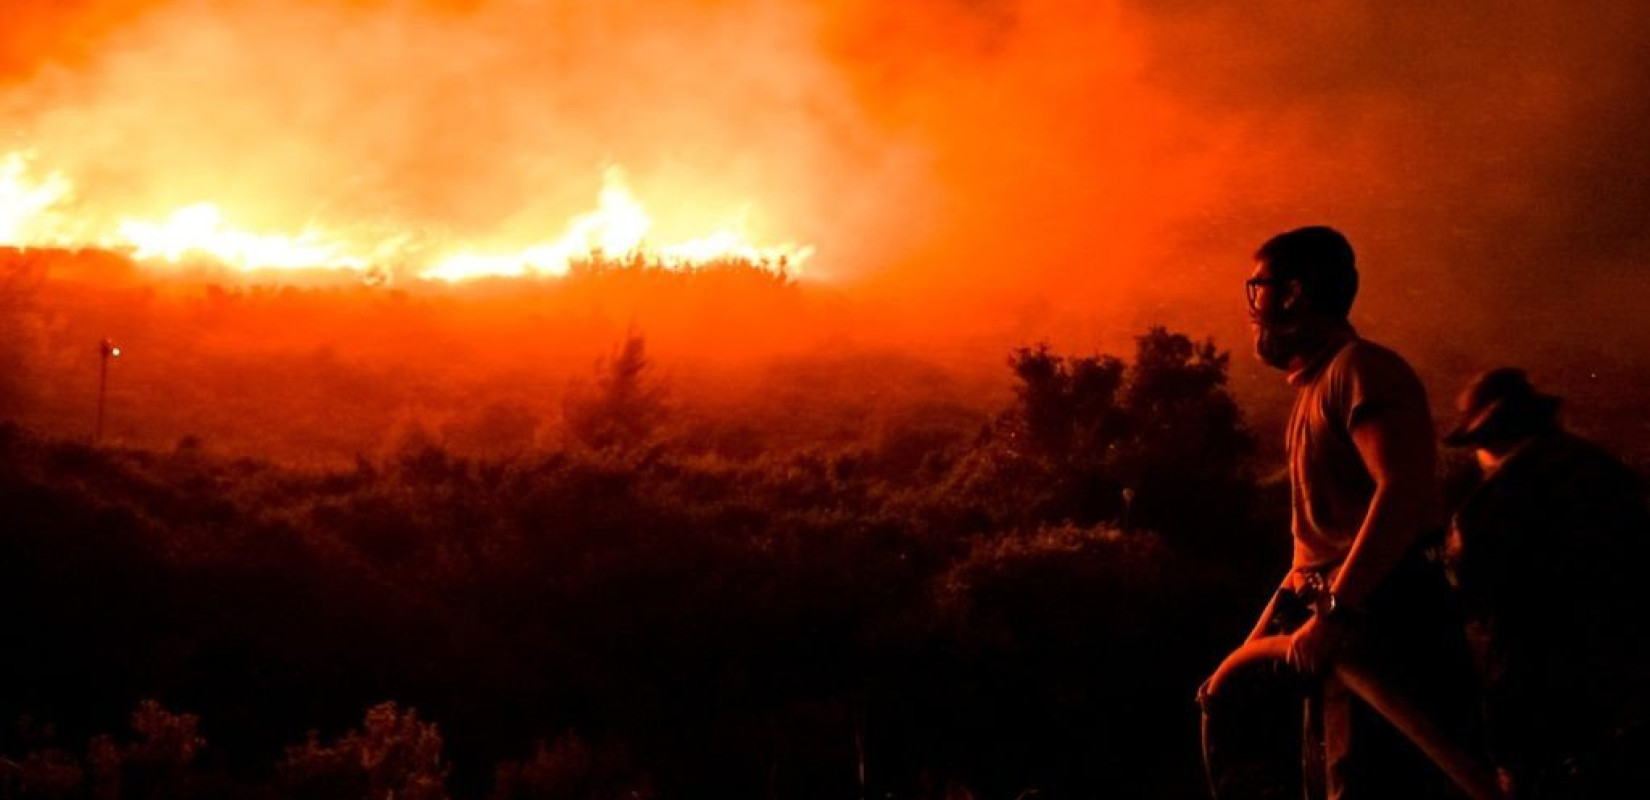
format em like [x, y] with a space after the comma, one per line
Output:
[625, 407]
[1158, 444]
[570, 769]
[395, 756]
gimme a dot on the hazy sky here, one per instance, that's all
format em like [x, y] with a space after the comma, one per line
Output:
[1060, 168]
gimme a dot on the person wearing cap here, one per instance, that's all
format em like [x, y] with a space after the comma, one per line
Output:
[1366, 513]
[1546, 551]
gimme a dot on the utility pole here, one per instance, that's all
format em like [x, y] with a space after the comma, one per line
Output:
[105, 350]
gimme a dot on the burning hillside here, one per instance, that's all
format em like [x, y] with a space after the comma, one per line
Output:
[439, 141]
[43, 210]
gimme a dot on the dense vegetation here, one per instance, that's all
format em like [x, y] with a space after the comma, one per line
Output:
[650, 606]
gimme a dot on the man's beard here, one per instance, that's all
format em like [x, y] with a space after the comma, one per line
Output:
[1278, 343]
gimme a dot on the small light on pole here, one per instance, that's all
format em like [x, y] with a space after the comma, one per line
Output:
[106, 350]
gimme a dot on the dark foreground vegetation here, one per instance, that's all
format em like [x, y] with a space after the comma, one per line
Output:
[646, 608]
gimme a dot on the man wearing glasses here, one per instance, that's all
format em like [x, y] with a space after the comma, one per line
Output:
[1364, 582]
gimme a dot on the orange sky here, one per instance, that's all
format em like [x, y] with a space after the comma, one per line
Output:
[1013, 170]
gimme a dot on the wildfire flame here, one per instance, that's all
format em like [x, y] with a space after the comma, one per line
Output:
[27, 205]
[618, 226]
[199, 229]
[38, 212]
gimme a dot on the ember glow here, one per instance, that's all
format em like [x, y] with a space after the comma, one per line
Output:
[39, 211]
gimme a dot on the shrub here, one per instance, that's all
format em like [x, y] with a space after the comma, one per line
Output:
[625, 407]
[395, 756]
[1157, 444]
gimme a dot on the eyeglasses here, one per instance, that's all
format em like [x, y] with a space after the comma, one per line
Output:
[1252, 287]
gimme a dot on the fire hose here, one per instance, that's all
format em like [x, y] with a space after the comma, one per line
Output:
[1467, 772]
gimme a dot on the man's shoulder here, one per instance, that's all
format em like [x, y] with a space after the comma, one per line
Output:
[1367, 379]
[1366, 353]
[1365, 360]
[1582, 463]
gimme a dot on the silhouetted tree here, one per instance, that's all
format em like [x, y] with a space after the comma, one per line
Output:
[1183, 459]
[626, 405]
[156, 764]
[1158, 443]
[1066, 407]
[395, 756]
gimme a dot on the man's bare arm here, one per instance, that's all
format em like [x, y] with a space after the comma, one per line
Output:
[1400, 461]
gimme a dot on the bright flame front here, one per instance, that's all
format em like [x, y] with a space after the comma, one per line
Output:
[28, 206]
[618, 227]
[198, 231]
[39, 212]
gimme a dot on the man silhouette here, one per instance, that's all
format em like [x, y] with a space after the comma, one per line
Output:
[1546, 552]
[1364, 581]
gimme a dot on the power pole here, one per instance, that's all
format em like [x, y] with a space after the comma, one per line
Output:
[105, 350]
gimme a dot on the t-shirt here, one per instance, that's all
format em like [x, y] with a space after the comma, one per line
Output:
[1330, 488]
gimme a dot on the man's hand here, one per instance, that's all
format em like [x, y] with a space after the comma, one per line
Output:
[1313, 648]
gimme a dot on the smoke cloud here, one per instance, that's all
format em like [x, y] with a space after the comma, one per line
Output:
[486, 123]
[1000, 170]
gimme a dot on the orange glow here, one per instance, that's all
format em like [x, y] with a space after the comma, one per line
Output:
[618, 227]
[39, 212]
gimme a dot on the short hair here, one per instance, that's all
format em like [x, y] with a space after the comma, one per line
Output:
[1322, 260]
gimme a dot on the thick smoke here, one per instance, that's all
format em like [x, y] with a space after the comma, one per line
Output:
[485, 123]
[1004, 171]
[1487, 160]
